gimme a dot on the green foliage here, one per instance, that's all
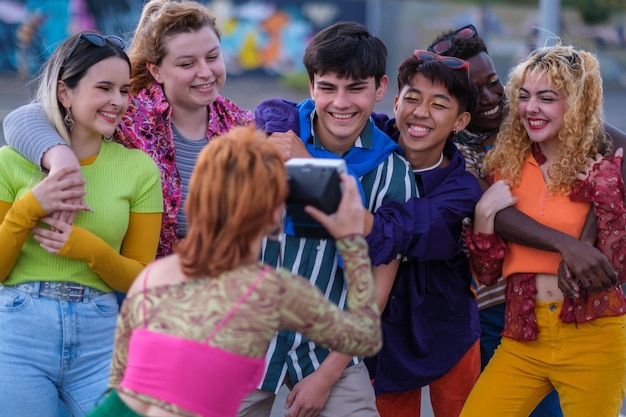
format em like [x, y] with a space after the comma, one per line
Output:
[591, 11]
[296, 80]
[598, 11]
[500, 2]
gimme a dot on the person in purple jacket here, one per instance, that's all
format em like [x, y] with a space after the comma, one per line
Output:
[430, 322]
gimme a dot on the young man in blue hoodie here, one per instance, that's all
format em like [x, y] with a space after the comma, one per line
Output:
[346, 68]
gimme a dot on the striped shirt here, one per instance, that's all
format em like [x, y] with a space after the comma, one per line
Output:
[317, 260]
[187, 151]
[474, 153]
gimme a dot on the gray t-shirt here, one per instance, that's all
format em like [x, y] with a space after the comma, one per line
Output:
[187, 151]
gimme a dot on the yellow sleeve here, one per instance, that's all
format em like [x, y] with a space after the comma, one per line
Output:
[118, 270]
[16, 222]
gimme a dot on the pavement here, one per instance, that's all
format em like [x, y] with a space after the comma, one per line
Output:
[247, 92]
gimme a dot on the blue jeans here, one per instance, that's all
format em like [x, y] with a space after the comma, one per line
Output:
[53, 351]
[491, 325]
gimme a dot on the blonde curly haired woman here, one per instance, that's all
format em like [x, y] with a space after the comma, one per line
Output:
[551, 162]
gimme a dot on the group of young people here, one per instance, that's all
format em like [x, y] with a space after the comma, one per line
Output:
[235, 306]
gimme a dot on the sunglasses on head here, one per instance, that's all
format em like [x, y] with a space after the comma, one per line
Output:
[443, 44]
[454, 63]
[96, 40]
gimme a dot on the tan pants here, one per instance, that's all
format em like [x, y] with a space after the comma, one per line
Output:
[351, 396]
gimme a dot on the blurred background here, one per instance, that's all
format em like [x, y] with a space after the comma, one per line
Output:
[269, 36]
[263, 42]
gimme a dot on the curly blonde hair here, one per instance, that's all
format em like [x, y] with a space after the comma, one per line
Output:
[238, 181]
[159, 20]
[577, 74]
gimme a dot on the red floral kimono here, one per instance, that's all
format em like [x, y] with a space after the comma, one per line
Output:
[604, 188]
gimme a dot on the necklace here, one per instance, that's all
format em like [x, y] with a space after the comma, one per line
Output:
[432, 167]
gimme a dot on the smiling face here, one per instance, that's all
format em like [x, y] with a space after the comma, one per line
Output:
[426, 113]
[192, 71]
[99, 100]
[542, 110]
[342, 107]
[488, 112]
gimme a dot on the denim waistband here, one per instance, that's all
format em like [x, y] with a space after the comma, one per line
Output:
[67, 291]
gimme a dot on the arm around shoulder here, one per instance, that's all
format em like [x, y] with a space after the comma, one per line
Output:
[28, 130]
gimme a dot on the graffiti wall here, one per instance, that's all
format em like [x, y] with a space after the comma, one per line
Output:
[271, 36]
[257, 35]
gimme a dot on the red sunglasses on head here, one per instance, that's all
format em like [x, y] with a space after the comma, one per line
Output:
[443, 44]
[452, 62]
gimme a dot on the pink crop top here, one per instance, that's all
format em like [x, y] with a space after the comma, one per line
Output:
[191, 374]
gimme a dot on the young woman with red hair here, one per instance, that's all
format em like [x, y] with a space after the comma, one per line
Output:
[195, 326]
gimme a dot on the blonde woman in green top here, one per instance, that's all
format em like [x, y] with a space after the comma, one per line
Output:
[57, 307]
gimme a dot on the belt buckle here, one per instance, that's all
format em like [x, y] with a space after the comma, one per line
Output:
[71, 292]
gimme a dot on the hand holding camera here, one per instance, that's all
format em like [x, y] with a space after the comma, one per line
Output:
[349, 217]
[318, 183]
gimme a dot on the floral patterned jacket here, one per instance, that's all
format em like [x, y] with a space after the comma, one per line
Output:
[604, 188]
[147, 126]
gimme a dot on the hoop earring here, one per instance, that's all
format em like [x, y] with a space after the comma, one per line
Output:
[68, 120]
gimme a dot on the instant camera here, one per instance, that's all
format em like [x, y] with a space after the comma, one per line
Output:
[314, 182]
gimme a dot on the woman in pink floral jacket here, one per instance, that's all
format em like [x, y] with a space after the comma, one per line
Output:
[174, 108]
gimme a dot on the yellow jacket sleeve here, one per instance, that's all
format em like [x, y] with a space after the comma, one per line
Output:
[16, 222]
[118, 270]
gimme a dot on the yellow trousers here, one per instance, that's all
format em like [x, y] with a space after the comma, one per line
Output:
[585, 363]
